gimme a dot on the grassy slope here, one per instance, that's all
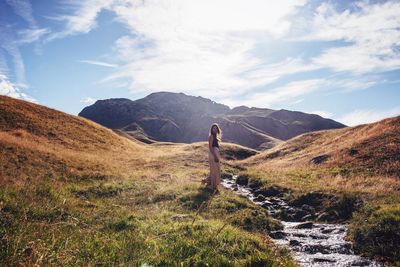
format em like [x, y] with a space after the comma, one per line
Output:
[359, 157]
[363, 162]
[372, 146]
[74, 193]
[38, 142]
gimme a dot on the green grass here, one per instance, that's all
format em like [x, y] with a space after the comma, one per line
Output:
[98, 191]
[234, 209]
[375, 231]
[113, 223]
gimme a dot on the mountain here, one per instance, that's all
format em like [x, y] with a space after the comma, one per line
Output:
[372, 148]
[177, 117]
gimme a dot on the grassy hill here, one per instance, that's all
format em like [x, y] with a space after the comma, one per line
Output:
[365, 159]
[37, 142]
[75, 193]
[373, 147]
[337, 169]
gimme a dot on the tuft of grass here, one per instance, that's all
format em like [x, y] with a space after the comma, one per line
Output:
[376, 232]
[98, 191]
[121, 224]
[256, 220]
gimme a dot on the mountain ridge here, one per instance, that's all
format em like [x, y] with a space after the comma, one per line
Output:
[177, 117]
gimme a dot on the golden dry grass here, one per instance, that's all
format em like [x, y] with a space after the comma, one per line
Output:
[364, 160]
[36, 141]
[373, 147]
[378, 188]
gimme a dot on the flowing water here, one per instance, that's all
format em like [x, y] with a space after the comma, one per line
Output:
[313, 244]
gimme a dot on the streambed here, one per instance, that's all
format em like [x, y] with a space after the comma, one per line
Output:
[312, 244]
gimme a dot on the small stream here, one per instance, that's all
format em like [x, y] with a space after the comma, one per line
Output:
[312, 244]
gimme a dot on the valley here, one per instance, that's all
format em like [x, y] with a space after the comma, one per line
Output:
[76, 193]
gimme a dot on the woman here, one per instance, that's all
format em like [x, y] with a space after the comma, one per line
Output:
[214, 139]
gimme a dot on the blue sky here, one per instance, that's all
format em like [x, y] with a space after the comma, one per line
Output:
[339, 59]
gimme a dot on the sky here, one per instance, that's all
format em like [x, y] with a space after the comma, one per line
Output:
[338, 59]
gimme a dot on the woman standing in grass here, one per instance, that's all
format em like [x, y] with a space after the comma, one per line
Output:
[214, 180]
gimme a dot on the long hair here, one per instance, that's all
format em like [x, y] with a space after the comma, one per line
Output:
[219, 131]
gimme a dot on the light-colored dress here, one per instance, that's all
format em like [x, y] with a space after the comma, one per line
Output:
[215, 168]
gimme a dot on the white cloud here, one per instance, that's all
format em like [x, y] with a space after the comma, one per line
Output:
[356, 83]
[322, 113]
[83, 20]
[268, 73]
[9, 89]
[31, 35]
[164, 19]
[8, 44]
[200, 46]
[293, 92]
[209, 48]
[99, 63]
[12, 39]
[288, 92]
[88, 100]
[372, 33]
[23, 8]
[357, 117]
[192, 46]
[3, 63]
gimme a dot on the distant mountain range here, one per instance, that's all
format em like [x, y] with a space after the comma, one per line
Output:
[177, 117]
